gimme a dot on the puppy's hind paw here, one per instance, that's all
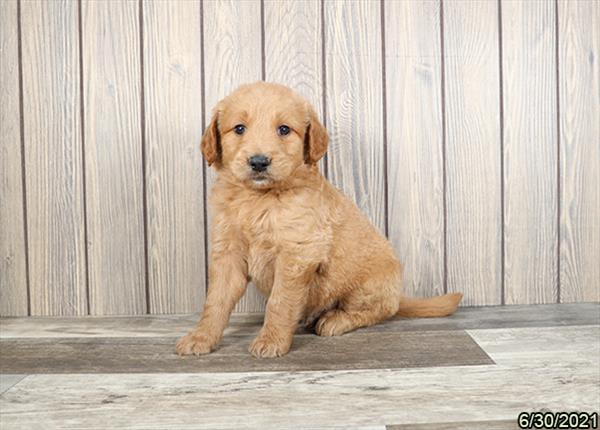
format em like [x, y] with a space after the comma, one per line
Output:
[334, 323]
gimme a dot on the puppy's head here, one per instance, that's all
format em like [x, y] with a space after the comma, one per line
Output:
[262, 133]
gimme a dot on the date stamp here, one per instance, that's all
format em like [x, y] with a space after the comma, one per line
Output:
[558, 420]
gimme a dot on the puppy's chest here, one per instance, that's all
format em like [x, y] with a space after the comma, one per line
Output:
[270, 226]
[261, 231]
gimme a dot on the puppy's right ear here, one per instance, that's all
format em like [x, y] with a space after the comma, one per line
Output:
[211, 140]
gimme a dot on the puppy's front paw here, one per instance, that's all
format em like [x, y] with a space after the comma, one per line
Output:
[266, 347]
[195, 343]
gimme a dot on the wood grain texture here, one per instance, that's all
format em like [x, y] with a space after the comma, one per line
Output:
[473, 150]
[101, 166]
[232, 52]
[113, 144]
[293, 49]
[460, 425]
[415, 153]
[354, 104]
[271, 400]
[173, 94]
[13, 276]
[515, 316]
[579, 93]
[391, 350]
[8, 380]
[561, 344]
[53, 157]
[530, 152]
[544, 378]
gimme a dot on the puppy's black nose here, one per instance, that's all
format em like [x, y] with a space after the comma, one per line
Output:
[259, 162]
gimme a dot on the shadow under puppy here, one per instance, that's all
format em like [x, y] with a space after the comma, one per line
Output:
[279, 223]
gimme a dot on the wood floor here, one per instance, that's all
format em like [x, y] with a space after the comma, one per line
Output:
[475, 370]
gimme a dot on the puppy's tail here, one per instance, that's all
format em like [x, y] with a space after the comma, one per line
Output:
[439, 306]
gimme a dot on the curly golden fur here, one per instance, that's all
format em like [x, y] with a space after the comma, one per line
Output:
[305, 245]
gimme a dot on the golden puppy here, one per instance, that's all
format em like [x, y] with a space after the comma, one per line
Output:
[279, 223]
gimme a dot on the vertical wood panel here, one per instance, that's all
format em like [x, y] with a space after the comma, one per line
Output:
[172, 78]
[354, 104]
[530, 139]
[414, 118]
[579, 93]
[13, 276]
[293, 49]
[53, 154]
[232, 49]
[113, 157]
[473, 150]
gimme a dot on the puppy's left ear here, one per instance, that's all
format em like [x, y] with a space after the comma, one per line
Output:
[315, 138]
[211, 140]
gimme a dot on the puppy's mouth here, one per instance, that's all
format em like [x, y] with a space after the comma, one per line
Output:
[260, 179]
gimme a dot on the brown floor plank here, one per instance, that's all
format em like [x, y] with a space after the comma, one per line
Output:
[359, 350]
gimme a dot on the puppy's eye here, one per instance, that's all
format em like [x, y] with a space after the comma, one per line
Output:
[283, 130]
[239, 129]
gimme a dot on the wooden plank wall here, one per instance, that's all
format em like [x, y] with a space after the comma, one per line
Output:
[354, 99]
[416, 138]
[579, 131]
[174, 176]
[14, 291]
[53, 168]
[467, 130]
[114, 157]
[529, 151]
[473, 150]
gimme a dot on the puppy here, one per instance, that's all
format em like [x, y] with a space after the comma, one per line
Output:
[279, 223]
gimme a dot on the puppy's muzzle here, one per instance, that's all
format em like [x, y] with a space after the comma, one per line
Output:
[259, 162]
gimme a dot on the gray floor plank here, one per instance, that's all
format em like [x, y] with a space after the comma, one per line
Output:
[274, 400]
[177, 325]
[469, 425]
[388, 350]
[506, 346]
[9, 380]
